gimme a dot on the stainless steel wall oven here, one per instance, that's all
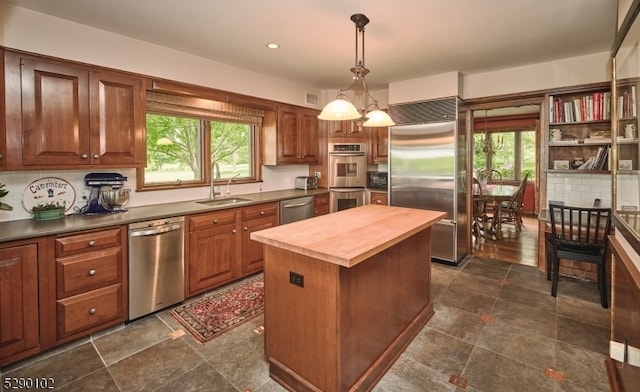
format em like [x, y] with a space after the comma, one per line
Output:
[347, 165]
[347, 175]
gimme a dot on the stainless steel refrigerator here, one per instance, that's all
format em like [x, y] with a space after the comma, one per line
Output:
[427, 169]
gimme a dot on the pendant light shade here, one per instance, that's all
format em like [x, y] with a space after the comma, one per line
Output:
[339, 109]
[378, 118]
[342, 107]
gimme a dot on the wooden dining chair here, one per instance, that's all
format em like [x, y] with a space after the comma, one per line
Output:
[579, 233]
[495, 177]
[511, 211]
[481, 218]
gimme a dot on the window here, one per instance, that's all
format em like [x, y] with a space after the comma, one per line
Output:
[189, 140]
[506, 144]
[512, 153]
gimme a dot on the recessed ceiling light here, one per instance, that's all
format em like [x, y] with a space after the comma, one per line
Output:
[273, 46]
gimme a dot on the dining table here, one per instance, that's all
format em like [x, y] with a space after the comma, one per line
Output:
[494, 194]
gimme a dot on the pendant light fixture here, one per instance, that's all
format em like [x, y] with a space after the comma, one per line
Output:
[342, 108]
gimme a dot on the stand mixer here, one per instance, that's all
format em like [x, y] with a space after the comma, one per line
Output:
[107, 193]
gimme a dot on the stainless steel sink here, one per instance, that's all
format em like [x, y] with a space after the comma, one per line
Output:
[225, 201]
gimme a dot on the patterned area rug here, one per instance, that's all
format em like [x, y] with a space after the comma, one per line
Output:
[223, 309]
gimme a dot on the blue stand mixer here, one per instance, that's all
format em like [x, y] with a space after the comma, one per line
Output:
[107, 193]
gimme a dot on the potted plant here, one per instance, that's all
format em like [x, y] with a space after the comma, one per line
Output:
[48, 211]
[3, 193]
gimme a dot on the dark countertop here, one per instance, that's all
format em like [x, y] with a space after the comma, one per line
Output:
[29, 228]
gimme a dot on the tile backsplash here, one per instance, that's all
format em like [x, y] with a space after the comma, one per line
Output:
[583, 189]
[274, 178]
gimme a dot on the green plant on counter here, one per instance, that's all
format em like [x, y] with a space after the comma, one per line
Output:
[3, 193]
[47, 207]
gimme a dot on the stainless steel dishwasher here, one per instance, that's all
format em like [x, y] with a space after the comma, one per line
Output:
[156, 265]
[296, 209]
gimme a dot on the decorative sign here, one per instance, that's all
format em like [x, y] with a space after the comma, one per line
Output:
[49, 190]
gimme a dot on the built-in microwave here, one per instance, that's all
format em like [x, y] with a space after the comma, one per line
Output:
[377, 180]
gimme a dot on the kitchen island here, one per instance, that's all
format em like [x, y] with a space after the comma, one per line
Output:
[345, 293]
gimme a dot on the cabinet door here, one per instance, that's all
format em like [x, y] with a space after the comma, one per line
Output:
[117, 119]
[55, 113]
[321, 204]
[288, 135]
[379, 198]
[309, 137]
[3, 136]
[213, 255]
[18, 300]
[379, 144]
[252, 251]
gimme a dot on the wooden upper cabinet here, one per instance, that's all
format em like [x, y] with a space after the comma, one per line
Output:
[310, 136]
[294, 136]
[73, 116]
[55, 113]
[288, 136]
[379, 143]
[118, 120]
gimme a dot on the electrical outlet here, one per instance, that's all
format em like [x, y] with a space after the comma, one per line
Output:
[318, 175]
[296, 279]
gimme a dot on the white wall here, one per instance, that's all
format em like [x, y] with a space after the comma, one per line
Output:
[573, 71]
[429, 87]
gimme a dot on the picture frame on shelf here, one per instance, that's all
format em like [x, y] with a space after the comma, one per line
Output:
[625, 164]
[561, 165]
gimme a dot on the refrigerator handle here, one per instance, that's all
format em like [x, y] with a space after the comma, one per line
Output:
[448, 222]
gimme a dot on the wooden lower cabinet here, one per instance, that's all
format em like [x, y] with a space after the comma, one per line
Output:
[220, 249]
[625, 314]
[256, 218]
[213, 250]
[321, 204]
[379, 198]
[25, 287]
[91, 281]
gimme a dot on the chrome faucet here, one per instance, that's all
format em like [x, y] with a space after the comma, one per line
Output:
[229, 183]
[214, 174]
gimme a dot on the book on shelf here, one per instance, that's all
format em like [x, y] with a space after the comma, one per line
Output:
[589, 107]
[627, 103]
[598, 161]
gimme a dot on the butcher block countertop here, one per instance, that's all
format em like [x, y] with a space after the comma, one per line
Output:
[350, 236]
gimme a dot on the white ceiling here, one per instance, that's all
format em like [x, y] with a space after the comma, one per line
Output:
[405, 38]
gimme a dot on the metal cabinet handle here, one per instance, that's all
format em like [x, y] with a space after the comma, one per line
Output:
[84, 156]
[1, 156]
[92, 272]
[234, 231]
[246, 228]
[91, 243]
[215, 221]
[96, 156]
[92, 311]
[261, 212]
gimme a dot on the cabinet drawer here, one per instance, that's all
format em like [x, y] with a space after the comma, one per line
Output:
[379, 198]
[206, 221]
[88, 271]
[259, 211]
[321, 200]
[84, 311]
[93, 240]
[321, 210]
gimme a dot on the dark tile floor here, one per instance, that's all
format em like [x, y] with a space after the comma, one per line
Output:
[495, 326]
